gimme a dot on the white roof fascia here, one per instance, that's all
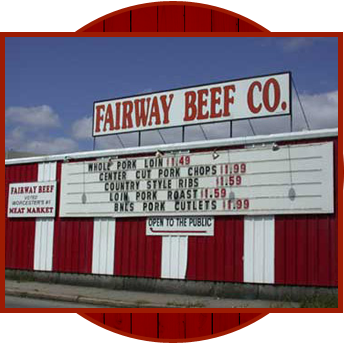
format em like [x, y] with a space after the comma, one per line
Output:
[217, 143]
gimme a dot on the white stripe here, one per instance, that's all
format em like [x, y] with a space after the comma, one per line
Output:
[174, 257]
[103, 250]
[44, 233]
[258, 249]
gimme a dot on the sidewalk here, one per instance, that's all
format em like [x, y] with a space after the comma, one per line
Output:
[129, 299]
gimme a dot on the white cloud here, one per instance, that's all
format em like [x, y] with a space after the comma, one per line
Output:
[36, 117]
[51, 146]
[27, 129]
[82, 128]
[21, 139]
[321, 109]
[292, 44]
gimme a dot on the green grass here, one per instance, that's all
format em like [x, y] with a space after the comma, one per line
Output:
[141, 301]
[318, 301]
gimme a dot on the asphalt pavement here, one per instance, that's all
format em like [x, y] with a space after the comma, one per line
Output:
[92, 296]
[24, 302]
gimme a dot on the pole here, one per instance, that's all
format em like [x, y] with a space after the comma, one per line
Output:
[291, 123]
[230, 129]
[183, 134]
[139, 139]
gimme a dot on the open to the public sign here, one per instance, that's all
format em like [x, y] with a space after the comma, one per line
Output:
[32, 200]
[180, 226]
[263, 180]
[226, 101]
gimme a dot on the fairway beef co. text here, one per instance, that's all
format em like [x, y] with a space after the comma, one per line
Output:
[265, 96]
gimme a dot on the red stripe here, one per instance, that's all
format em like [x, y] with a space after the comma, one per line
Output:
[136, 254]
[145, 324]
[171, 18]
[98, 27]
[312, 259]
[245, 317]
[223, 322]
[222, 22]
[238, 249]
[172, 326]
[197, 19]
[118, 23]
[301, 253]
[145, 19]
[19, 233]
[120, 321]
[97, 316]
[198, 325]
[206, 255]
[246, 27]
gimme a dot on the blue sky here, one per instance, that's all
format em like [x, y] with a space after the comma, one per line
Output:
[51, 83]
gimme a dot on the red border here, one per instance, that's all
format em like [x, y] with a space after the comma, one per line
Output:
[275, 19]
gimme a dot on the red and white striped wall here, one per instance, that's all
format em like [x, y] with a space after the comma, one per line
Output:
[289, 250]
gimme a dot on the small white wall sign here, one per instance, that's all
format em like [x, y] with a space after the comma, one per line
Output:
[32, 200]
[180, 226]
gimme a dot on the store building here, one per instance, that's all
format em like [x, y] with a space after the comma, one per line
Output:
[251, 210]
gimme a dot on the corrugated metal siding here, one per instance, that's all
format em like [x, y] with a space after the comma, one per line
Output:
[174, 257]
[44, 234]
[44, 238]
[73, 239]
[259, 249]
[136, 254]
[218, 258]
[19, 233]
[306, 245]
[103, 248]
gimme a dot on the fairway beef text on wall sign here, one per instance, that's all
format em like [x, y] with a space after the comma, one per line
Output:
[232, 100]
[254, 181]
[31, 200]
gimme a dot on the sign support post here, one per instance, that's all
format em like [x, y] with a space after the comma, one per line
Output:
[139, 139]
[291, 123]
